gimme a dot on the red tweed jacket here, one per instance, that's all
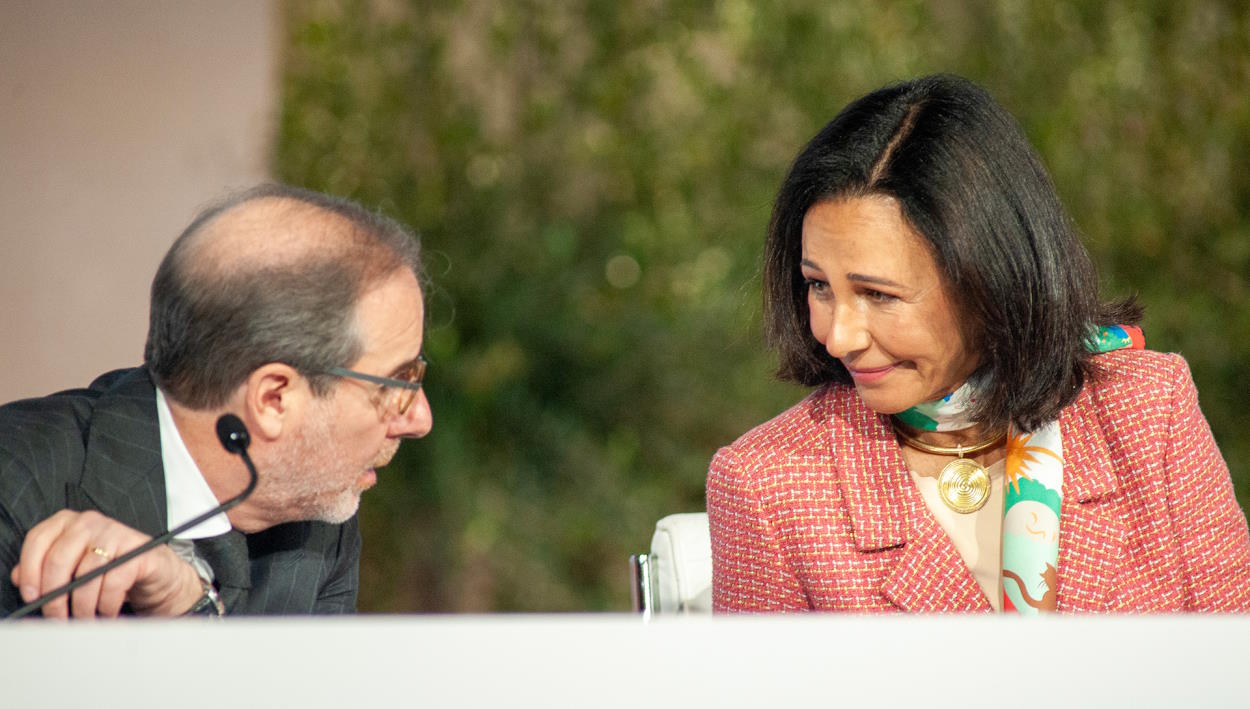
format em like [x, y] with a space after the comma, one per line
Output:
[815, 509]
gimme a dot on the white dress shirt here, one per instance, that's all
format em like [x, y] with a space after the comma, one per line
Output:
[187, 495]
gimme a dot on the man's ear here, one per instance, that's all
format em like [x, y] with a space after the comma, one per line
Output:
[274, 397]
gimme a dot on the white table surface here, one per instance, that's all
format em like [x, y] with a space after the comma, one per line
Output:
[622, 661]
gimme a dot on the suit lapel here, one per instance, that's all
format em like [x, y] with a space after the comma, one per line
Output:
[886, 510]
[123, 476]
[1092, 533]
[930, 575]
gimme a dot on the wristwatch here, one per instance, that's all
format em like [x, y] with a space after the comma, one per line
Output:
[210, 604]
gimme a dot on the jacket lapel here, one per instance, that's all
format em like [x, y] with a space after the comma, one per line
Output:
[886, 510]
[125, 428]
[1092, 533]
[123, 476]
[930, 576]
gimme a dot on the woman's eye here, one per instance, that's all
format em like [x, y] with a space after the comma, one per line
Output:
[878, 296]
[816, 286]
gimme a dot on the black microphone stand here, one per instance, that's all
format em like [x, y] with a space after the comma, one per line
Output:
[234, 438]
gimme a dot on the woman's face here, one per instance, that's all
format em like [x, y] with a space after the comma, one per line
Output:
[877, 303]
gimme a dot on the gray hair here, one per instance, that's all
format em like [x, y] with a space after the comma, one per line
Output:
[215, 318]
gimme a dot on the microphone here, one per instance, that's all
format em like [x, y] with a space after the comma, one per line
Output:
[234, 438]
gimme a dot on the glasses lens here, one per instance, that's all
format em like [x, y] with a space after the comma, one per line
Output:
[413, 375]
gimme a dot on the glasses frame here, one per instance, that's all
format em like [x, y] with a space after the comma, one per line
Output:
[391, 382]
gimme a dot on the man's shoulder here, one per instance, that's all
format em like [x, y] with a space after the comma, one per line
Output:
[55, 427]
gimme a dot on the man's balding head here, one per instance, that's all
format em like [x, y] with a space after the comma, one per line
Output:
[268, 275]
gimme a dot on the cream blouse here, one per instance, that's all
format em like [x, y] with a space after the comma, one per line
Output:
[978, 536]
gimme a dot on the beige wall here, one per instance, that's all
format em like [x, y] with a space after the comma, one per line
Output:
[117, 121]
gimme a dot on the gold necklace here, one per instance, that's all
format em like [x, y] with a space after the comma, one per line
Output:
[963, 484]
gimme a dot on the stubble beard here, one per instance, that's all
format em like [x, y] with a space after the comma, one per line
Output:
[307, 480]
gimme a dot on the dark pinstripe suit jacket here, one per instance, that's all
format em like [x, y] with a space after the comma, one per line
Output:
[99, 448]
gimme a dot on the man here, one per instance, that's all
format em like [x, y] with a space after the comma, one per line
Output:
[301, 314]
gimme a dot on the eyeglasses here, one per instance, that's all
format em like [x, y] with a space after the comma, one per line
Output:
[400, 391]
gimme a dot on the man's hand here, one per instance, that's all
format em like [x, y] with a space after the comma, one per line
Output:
[69, 544]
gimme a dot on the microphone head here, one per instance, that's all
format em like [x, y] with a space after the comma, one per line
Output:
[232, 434]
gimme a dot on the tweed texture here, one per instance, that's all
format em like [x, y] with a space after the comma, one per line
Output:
[814, 510]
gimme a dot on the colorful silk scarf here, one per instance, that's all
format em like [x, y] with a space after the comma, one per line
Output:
[1034, 485]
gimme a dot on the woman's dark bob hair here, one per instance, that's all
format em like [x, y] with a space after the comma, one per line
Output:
[968, 182]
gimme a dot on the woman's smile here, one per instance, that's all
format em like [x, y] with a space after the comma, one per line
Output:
[869, 375]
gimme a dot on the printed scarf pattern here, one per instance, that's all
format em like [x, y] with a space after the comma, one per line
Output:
[1034, 485]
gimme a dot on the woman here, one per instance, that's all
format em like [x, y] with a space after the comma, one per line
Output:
[983, 436]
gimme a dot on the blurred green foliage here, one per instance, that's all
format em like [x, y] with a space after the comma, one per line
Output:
[592, 181]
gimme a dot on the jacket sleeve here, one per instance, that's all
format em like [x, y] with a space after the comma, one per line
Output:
[749, 568]
[24, 502]
[1209, 525]
[10, 552]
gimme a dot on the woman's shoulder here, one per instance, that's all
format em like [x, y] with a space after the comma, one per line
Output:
[801, 430]
[1138, 371]
[1138, 382]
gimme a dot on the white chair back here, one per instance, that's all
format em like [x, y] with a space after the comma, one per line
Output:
[676, 577]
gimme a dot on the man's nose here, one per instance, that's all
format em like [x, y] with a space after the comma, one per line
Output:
[416, 422]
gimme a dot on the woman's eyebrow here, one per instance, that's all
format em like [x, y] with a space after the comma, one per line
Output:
[861, 278]
[858, 277]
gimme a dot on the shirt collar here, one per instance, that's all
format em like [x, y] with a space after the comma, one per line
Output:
[187, 494]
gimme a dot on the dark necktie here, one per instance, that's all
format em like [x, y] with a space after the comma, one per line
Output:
[227, 555]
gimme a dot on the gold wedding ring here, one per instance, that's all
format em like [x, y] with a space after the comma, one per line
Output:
[101, 553]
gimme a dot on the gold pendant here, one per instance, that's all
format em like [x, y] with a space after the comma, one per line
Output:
[964, 485]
